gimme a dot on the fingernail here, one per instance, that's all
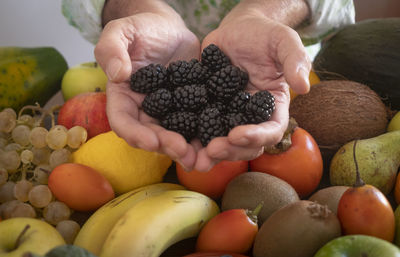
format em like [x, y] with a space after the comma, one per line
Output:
[243, 141]
[113, 68]
[305, 75]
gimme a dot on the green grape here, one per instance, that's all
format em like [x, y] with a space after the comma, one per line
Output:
[57, 137]
[13, 147]
[77, 135]
[55, 212]
[20, 134]
[10, 160]
[23, 210]
[37, 137]
[7, 208]
[26, 119]
[11, 111]
[3, 176]
[7, 192]
[3, 142]
[41, 173]
[59, 156]
[7, 121]
[40, 196]
[68, 230]
[40, 155]
[21, 190]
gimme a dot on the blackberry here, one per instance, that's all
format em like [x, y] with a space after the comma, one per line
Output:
[239, 101]
[183, 73]
[260, 107]
[158, 103]
[236, 119]
[211, 124]
[184, 123]
[214, 59]
[219, 105]
[190, 97]
[226, 83]
[149, 78]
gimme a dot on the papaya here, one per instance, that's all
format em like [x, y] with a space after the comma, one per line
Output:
[29, 75]
[367, 52]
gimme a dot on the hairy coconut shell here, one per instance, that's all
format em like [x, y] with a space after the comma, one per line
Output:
[338, 111]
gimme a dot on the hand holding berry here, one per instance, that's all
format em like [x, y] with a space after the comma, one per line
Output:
[153, 34]
[274, 57]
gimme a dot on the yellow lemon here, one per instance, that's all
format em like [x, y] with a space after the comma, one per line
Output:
[125, 167]
[313, 80]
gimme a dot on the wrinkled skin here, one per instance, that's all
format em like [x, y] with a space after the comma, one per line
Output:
[270, 52]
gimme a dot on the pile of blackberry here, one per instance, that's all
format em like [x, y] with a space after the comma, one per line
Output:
[201, 99]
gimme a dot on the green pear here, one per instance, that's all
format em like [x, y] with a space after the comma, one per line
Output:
[394, 123]
[377, 160]
[357, 246]
[82, 78]
[397, 230]
[21, 235]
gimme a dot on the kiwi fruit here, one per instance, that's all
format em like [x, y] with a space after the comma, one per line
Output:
[299, 229]
[329, 196]
[248, 190]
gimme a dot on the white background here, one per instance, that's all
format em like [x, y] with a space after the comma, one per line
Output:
[36, 23]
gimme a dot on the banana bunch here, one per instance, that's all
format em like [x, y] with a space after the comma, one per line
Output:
[146, 221]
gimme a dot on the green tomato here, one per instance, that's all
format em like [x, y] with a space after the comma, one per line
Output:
[358, 246]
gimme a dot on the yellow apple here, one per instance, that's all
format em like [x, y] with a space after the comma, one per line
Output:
[82, 78]
[38, 238]
[394, 123]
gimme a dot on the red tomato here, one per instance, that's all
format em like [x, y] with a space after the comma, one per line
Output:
[365, 210]
[301, 165]
[231, 231]
[80, 187]
[215, 254]
[213, 182]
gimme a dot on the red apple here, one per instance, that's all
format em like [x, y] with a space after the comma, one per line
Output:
[87, 110]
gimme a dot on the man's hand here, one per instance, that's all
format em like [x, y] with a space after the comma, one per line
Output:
[274, 57]
[127, 44]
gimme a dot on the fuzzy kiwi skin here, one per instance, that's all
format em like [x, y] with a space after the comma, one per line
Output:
[249, 189]
[299, 229]
[329, 196]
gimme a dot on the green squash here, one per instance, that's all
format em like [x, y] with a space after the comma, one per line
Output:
[367, 52]
[29, 75]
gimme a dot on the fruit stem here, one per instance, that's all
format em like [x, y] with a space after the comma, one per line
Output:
[19, 238]
[359, 181]
[286, 141]
[254, 213]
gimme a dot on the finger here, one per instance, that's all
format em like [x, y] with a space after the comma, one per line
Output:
[220, 149]
[123, 118]
[203, 162]
[295, 61]
[267, 133]
[175, 146]
[111, 51]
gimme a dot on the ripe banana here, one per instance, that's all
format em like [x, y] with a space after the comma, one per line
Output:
[96, 229]
[154, 224]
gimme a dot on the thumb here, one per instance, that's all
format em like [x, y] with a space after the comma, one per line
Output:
[296, 63]
[111, 52]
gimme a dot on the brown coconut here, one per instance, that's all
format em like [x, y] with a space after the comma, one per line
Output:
[335, 112]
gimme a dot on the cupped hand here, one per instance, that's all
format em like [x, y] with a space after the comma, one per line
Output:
[274, 57]
[126, 45]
